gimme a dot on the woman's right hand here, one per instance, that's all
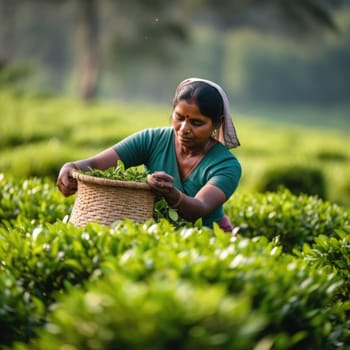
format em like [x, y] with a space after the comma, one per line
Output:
[65, 181]
[103, 160]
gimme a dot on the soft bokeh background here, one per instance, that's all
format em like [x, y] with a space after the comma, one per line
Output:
[272, 53]
[76, 76]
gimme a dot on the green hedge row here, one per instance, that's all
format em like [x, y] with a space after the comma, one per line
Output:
[155, 286]
[35, 199]
[119, 276]
[300, 159]
[292, 219]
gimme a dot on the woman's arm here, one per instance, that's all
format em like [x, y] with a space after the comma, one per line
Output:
[206, 200]
[103, 160]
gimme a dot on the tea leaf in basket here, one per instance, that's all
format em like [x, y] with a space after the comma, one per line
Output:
[119, 173]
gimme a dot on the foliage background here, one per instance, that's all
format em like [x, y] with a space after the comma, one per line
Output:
[283, 283]
[261, 55]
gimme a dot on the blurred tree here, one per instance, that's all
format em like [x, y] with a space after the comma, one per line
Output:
[291, 18]
[152, 28]
[7, 24]
[142, 27]
[88, 48]
[151, 24]
[303, 14]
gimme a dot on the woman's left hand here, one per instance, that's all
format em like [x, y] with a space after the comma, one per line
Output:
[161, 182]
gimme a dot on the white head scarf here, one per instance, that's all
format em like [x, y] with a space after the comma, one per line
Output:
[227, 133]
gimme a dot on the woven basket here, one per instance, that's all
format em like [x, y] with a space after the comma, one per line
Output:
[105, 201]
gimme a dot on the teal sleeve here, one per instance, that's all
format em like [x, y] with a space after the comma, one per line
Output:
[133, 149]
[153, 148]
[228, 177]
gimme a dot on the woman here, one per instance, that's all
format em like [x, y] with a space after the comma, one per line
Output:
[190, 163]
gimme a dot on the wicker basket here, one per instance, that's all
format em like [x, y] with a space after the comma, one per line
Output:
[105, 201]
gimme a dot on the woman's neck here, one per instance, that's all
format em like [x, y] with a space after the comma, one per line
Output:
[195, 151]
[188, 159]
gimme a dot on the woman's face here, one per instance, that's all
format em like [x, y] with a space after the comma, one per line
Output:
[192, 129]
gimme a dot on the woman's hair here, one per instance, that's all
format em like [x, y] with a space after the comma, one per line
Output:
[206, 97]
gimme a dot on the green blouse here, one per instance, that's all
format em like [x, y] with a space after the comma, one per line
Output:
[155, 148]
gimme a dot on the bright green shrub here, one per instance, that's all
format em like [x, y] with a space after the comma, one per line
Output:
[43, 262]
[332, 253]
[20, 311]
[299, 301]
[331, 156]
[294, 297]
[38, 134]
[298, 179]
[49, 258]
[35, 199]
[117, 313]
[295, 220]
[36, 159]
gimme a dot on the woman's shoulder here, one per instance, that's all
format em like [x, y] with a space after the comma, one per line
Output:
[221, 151]
[221, 158]
[156, 137]
[158, 131]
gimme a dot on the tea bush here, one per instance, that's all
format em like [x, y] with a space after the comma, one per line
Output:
[282, 284]
[293, 297]
[296, 300]
[36, 127]
[285, 289]
[331, 156]
[298, 179]
[20, 311]
[118, 313]
[34, 199]
[294, 220]
[331, 252]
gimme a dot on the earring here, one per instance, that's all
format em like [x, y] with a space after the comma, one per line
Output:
[214, 132]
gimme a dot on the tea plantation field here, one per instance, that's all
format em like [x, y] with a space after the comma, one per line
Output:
[282, 283]
[39, 134]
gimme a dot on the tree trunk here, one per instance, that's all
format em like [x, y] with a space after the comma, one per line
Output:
[88, 51]
[7, 32]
